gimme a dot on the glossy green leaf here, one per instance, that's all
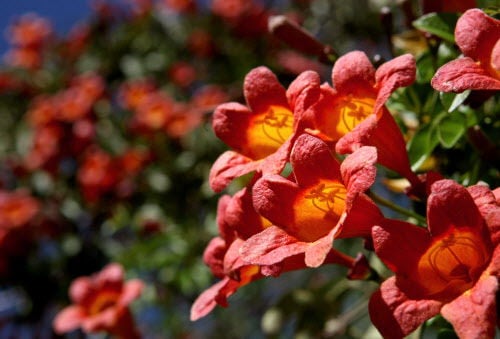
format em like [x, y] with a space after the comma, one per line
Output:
[439, 24]
[425, 68]
[451, 101]
[421, 145]
[450, 129]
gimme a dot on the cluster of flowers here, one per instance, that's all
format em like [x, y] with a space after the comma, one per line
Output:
[28, 36]
[310, 153]
[154, 110]
[288, 220]
[69, 110]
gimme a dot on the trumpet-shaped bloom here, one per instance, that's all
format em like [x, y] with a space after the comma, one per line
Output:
[237, 220]
[97, 174]
[450, 268]
[16, 209]
[30, 30]
[478, 37]
[133, 93]
[324, 201]
[353, 113]
[100, 303]
[261, 134]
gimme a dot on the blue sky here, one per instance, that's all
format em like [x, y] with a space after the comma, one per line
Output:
[63, 13]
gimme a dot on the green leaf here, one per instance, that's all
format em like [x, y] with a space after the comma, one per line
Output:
[450, 129]
[425, 68]
[439, 24]
[446, 52]
[451, 101]
[421, 145]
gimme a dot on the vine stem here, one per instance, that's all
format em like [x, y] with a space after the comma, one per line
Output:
[403, 211]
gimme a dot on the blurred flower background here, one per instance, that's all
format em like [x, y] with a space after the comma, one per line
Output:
[106, 145]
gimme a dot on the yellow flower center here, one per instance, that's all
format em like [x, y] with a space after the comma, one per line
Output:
[452, 263]
[103, 301]
[268, 131]
[344, 115]
[318, 209]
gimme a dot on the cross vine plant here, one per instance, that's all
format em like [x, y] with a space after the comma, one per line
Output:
[330, 168]
[310, 180]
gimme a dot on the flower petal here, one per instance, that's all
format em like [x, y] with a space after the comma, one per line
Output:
[463, 74]
[304, 91]
[316, 252]
[476, 33]
[132, 289]
[262, 89]
[450, 205]
[391, 238]
[230, 122]
[489, 208]
[213, 256]
[360, 219]
[240, 215]
[391, 146]
[311, 159]
[393, 74]
[358, 137]
[274, 197]
[103, 321]
[69, 319]
[229, 166]
[232, 258]
[359, 171]
[275, 162]
[80, 289]
[205, 302]
[353, 71]
[271, 246]
[225, 229]
[394, 314]
[474, 314]
[111, 273]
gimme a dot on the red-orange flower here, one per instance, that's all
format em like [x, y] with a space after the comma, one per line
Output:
[45, 148]
[100, 303]
[201, 43]
[153, 112]
[183, 120]
[102, 175]
[16, 209]
[97, 174]
[325, 201]
[478, 37]
[182, 73]
[17, 212]
[353, 113]
[450, 268]
[28, 58]
[208, 97]
[261, 134]
[29, 30]
[237, 220]
[77, 101]
[42, 110]
[131, 94]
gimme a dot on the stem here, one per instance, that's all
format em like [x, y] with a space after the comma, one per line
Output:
[387, 203]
